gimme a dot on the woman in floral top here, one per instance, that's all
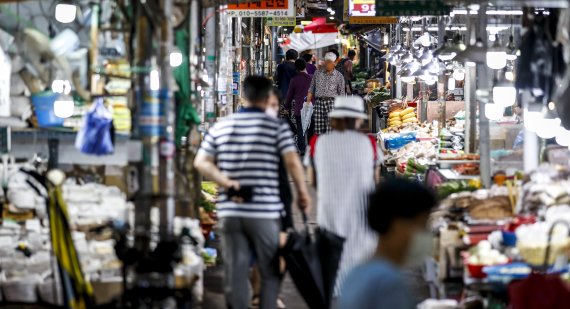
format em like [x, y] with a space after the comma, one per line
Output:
[326, 85]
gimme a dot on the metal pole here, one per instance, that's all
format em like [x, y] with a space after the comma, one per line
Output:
[423, 87]
[484, 80]
[531, 147]
[167, 167]
[441, 83]
[469, 89]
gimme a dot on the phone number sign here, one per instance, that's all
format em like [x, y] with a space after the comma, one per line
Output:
[262, 8]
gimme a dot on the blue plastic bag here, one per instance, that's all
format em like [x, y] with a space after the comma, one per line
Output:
[94, 137]
[396, 142]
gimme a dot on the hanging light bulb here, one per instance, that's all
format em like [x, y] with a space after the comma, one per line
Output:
[496, 56]
[563, 137]
[531, 120]
[407, 57]
[175, 58]
[548, 127]
[427, 57]
[154, 80]
[494, 111]
[451, 83]
[65, 12]
[425, 39]
[459, 74]
[510, 76]
[386, 39]
[64, 107]
[431, 81]
[504, 94]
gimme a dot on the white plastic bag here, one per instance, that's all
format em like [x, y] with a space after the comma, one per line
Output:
[306, 114]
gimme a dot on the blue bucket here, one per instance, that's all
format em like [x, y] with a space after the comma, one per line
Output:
[44, 106]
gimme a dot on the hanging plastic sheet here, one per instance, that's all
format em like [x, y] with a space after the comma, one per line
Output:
[95, 136]
[306, 115]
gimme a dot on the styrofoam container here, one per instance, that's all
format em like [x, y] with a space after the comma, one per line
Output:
[21, 289]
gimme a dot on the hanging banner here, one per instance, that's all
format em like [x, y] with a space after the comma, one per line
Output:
[281, 21]
[411, 8]
[262, 8]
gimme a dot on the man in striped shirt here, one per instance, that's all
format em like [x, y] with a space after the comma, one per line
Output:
[241, 153]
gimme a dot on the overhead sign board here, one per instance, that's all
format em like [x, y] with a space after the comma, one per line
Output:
[363, 12]
[281, 21]
[262, 8]
[372, 20]
[411, 8]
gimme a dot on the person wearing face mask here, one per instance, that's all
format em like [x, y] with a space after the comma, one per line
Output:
[399, 212]
[344, 166]
[326, 85]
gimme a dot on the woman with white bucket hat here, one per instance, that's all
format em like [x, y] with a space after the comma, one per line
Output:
[345, 165]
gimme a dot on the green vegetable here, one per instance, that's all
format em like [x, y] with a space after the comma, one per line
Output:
[207, 205]
[210, 188]
[448, 188]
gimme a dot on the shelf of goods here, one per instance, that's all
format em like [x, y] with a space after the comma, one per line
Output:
[26, 260]
[490, 239]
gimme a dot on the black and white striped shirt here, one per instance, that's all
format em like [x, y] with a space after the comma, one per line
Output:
[247, 147]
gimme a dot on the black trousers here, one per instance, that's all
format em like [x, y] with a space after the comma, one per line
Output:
[301, 144]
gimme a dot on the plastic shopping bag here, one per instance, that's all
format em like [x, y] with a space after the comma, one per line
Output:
[306, 114]
[95, 136]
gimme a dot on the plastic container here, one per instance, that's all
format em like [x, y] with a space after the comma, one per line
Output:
[476, 271]
[21, 290]
[43, 104]
[509, 238]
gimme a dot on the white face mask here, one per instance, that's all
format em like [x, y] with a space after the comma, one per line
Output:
[273, 113]
[420, 248]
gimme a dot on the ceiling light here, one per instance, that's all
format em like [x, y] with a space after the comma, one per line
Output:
[496, 56]
[64, 107]
[450, 49]
[548, 127]
[408, 79]
[175, 58]
[65, 12]
[427, 57]
[451, 83]
[154, 80]
[494, 111]
[459, 74]
[563, 137]
[510, 76]
[473, 54]
[504, 94]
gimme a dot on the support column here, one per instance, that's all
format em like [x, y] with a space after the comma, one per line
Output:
[442, 82]
[484, 82]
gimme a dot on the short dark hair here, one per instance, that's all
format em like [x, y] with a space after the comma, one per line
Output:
[308, 57]
[334, 51]
[351, 53]
[300, 64]
[343, 124]
[256, 89]
[291, 55]
[395, 199]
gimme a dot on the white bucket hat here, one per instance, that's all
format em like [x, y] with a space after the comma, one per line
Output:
[348, 107]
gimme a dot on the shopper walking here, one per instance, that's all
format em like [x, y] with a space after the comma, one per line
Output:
[311, 67]
[345, 67]
[241, 153]
[286, 197]
[326, 85]
[296, 96]
[286, 71]
[398, 211]
[346, 164]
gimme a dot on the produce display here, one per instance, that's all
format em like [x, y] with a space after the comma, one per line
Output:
[448, 188]
[467, 169]
[402, 116]
[377, 96]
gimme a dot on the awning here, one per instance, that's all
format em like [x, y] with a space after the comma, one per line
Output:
[306, 41]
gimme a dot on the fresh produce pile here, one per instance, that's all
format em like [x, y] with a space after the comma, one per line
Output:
[467, 169]
[448, 188]
[399, 117]
[377, 96]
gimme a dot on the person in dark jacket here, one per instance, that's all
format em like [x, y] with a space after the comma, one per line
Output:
[298, 89]
[311, 67]
[286, 71]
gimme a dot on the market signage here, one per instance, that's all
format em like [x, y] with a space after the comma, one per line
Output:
[281, 21]
[262, 8]
[411, 7]
[364, 12]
